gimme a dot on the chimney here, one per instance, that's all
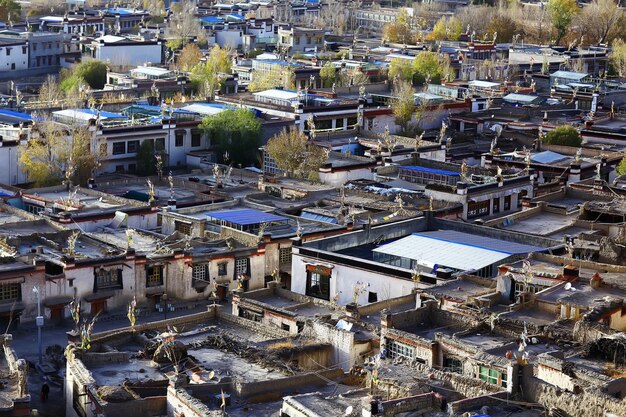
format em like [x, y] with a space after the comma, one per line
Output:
[570, 273]
[596, 281]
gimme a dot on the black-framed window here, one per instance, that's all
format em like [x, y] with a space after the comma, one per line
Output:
[284, 255]
[180, 139]
[318, 285]
[372, 297]
[154, 275]
[242, 266]
[108, 279]
[119, 148]
[133, 146]
[10, 292]
[222, 268]
[182, 227]
[196, 138]
[159, 144]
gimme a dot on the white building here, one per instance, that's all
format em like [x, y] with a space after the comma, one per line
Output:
[117, 50]
[13, 54]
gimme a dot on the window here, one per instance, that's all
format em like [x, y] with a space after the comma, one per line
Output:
[23, 50]
[133, 146]
[496, 205]
[8, 51]
[521, 287]
[372, 297]
[452, 365]
[10, 292]
[475, 209]
[196, 139]
[119, 168]
[108, 279]
[77, 400]
[401, 350]
[492, 376]
[284, 255]
[13, 66]
[221, 268]
[159, 144]
[242, 266]
[182, 227]
[119, 148]
[154, 276]
[132, 168]
[318, 283]
[180, 139]
[200, 279]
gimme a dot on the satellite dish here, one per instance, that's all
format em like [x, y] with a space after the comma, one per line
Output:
[211, 375]
[568, 286]
[349, 410]
[573, 289]
[534, 340]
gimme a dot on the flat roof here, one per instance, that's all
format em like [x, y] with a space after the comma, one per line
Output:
[245, 217]
[86, 114]
[569, 74]
[278, 94]
[483, 84]
[431, 170]
[205, 108]
[152, 70]
[547, 157]
[458, 250]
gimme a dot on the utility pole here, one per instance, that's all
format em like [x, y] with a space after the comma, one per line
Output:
[39, 321]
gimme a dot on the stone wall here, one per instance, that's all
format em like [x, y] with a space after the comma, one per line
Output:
[289, 384]
[271, 332]
[181, 403]
[468, 404]
[588, 402]
[179, 322]
[421, 402]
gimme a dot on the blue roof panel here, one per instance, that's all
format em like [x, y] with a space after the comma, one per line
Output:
[245, 217]
[431, 170]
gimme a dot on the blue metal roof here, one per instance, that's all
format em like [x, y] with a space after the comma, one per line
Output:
[245, 217]
[483, 242]
[107, 114]
[431, 170]
[318, 217]
[547, 157]
[17, 115]
[211, 19]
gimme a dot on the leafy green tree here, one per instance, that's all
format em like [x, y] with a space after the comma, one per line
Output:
[561, 14]
[428, 66]
[618, 57]
[295, 155]
[189, 57]
[401, 69]
[146, 160]
[55, 153]
[399, 31]
[621, 167]
[236, 133]
[328, 74]
[92, 72]
[403, 103]
[9, 9]
[206, 76]
[446, 28]
[277, 76]
[564, 135]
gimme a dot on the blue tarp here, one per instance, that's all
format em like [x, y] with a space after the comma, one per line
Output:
[245, 217]
[432, 170]
[15, 114]
[211, 19]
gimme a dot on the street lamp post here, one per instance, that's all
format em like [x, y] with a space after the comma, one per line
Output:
[164, 298]
[39, 321]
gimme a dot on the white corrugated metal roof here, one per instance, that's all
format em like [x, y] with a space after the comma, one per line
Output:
[438, 248]
[483, 84]
[278, 94]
